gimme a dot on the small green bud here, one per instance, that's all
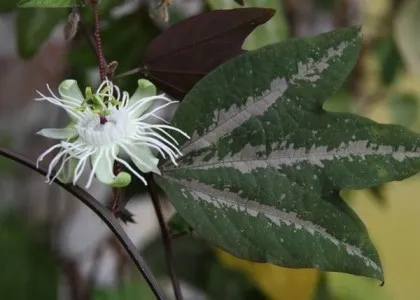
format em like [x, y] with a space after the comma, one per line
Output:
[122, 180]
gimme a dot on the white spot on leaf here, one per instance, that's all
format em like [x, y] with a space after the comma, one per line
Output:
[310, 70]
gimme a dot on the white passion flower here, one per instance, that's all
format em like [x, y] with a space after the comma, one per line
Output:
[103, 123]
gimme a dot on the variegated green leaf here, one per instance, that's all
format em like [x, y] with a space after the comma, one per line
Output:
[261, 174]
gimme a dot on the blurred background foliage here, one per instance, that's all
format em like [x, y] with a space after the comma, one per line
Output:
[385, 86]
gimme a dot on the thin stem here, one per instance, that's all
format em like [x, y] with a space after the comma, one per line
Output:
[98, 42]
[103, 214]
[166, 236]
[88, 33]
[128, 73]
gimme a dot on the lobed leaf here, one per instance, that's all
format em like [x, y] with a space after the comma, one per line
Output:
[261, 175]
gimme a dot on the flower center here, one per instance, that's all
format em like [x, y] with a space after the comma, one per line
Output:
[97, 130]
[102, 119]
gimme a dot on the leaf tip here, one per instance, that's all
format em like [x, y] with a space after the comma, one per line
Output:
[358, 31]
[382, 283]
[270, 12]
[267, 14]
[380, 274]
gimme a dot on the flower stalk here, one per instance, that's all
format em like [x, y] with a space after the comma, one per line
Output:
[98, 41]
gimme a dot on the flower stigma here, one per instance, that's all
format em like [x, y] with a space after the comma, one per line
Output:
[103, 123]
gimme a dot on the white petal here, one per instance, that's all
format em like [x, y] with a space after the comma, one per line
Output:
[143, 158]
[58, 133]
[103, 164]
[66, 171]
[145, 89]
[70, 91]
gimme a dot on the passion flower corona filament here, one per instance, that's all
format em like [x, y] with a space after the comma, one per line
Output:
[103, 123]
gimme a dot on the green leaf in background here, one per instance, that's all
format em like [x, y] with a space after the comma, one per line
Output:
[404, 108]
[261, 175]
[274, 30]
[48, 3]
[7, 5]
[28, 268]
[406, 26]
[132, 290]
[198, 266]
[390, 60]
[34, 26]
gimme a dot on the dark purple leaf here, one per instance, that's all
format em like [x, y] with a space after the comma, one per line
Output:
[178, 58]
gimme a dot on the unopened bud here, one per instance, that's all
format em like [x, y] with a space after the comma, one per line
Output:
[70, 29]
[161, 11]
[111, 68]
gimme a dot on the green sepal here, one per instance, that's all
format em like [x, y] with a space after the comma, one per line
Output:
[123, 179]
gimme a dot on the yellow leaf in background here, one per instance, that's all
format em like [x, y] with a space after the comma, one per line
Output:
[374, 13]
[406, 26]
[395, 232]
[349, 287]
[375, 7]
[276, 282]
[408, 83]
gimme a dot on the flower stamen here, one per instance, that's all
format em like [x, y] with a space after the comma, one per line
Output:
[102, 119]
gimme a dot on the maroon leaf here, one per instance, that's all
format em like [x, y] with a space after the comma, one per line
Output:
[178, 58]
